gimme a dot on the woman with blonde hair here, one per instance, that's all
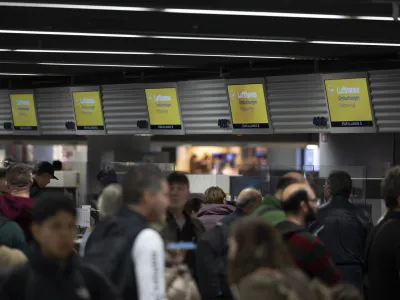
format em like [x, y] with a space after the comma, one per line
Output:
[215, 207]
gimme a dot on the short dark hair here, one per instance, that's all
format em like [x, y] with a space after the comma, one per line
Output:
[340, 183]
[138, 179]
[49, 204]
[292, 203]
[19, 175]
[390, 187]
[178, 178]
[284, 182]
[193, 204]
[3, 172]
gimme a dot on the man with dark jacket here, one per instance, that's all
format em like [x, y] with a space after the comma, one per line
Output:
[271, 209]
[343, 228]
[383, 246]
[181, 227]
[43, 173]
[16, 205]
[299, 203]
[211, 253]
[53, 272]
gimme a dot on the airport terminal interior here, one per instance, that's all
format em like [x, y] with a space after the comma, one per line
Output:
[234, 94]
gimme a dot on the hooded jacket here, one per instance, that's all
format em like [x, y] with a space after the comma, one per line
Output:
[211, 214]
[18, 209]
[271, 210]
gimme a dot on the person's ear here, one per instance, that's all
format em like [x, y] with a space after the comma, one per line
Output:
[303, 206]
[35, 232]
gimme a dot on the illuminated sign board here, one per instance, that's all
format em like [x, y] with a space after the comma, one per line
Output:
[248, 107]
[349, 103]
[88, 111]
[23, 112]
[163, 108]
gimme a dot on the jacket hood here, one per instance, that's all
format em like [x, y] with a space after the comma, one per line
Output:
[216, 209]
[270, 200]
[13, 207]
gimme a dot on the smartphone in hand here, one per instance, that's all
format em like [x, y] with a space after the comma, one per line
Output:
[181, 246]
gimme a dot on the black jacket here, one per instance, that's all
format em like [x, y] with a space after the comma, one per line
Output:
[343, 229]
[35, 190]
[211, 259]
[43, 279]
[383, 259]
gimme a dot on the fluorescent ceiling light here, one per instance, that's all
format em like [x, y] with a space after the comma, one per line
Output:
[82, 52]
[67, 33]
[355, 43]
[116, 35]
[206, 38]
[193, 11]
[98, 65]
[253, 13]
[76, 6]
[20, 74]
[147, 53]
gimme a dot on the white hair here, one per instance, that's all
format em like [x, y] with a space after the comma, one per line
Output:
[110, 200]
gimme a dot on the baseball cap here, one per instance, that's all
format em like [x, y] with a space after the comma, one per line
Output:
[107, 176]
[46, 168]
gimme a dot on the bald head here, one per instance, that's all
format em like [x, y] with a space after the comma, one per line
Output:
[287, 180]
[249, 200]
[296, 176]
[296, 188]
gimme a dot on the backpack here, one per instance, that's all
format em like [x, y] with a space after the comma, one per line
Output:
[108, 249]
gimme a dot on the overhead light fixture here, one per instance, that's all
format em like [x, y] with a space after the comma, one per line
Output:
[147, 53]
[77, 6]
[355, 43]
[20, 74]
[193, 11]
[4, 50]
[82, 52]
[117, 35]
[97, 65]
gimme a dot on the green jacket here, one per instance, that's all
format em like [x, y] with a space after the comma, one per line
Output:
[271, 210]
[12, 236]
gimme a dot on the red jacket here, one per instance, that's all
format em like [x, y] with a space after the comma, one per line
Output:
[18, 209]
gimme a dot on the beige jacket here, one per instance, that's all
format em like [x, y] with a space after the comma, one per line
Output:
[11, 257]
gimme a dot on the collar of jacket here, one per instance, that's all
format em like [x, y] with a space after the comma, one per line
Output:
[171, 218]
[392, 214]
[270, 200]
[129, 213]
[51, 267]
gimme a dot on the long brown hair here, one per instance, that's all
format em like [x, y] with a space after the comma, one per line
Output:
[259, 245]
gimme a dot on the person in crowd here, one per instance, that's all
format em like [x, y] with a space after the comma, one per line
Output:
[193, 206]
[8, 161]
[215, 207]
[11, 235]
[124, 247]
[300, 204]
[107, 176]
[180, 225]
[43, 173]
[53, 272]
[343, 228]
[109, 204]
[271, 209]
[346, 292]
[212, 249]
[58, 165]
[383, 245]
[260, 265]
[16, 205]
[10, 257]
[3, 182]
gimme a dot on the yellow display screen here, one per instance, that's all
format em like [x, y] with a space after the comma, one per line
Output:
[163, 108]
[248, 107]
[88, 111]
[23, 112]
[349, 103]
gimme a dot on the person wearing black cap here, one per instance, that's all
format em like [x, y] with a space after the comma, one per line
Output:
[42, 174]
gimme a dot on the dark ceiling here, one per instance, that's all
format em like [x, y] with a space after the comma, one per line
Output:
[100, 42]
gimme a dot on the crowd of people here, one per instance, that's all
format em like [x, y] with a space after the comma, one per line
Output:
[154, 242]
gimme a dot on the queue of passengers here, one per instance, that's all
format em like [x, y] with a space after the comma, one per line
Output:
[155, 243]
